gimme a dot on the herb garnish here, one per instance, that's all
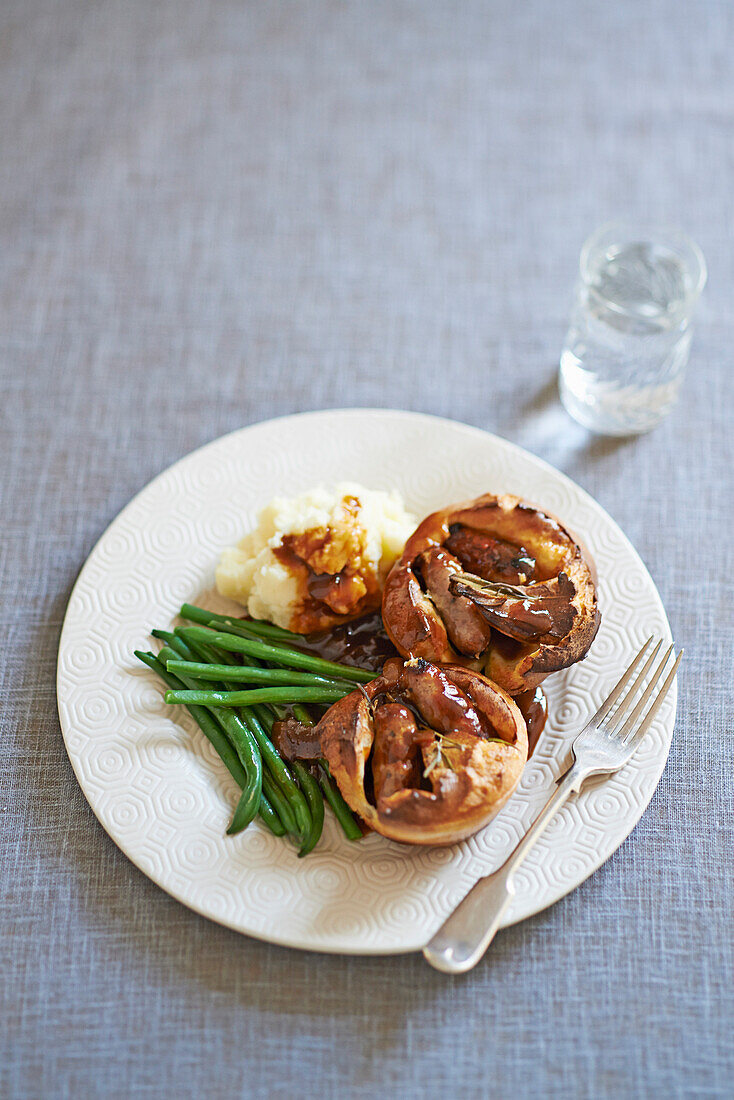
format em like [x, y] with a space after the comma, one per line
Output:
[439, 756]
[497, 588]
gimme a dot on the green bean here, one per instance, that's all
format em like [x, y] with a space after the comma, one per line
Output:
[198, 655]
[200, 651]
[208, 652]
[278, 654]
[265, 715]
[341, 810]
[199, 615]
[235, 729]
[212, 655]
[208, 725]
[175, 643]
[251, 675]
[315, 801]
[248, 698]
[269, 817]
[246, 808]
[231, 626]
[216, 735]
[298, 810]
[309, 784]
[218, 739]
[330, 789]
[280, 803]
[238, 733]
[259, 629]
[282, 776]
[165, 655]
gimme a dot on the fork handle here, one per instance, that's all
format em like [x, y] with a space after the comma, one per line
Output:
[466, 934]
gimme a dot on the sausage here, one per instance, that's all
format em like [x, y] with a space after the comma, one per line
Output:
[494, 559]
[396, 752]
[442, 704]
[535, 611]
[468, 630]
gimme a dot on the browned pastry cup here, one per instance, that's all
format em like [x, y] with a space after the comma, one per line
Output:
[425, 754]
[494, 584]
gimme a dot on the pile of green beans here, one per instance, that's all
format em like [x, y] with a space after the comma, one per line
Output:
[205, 666]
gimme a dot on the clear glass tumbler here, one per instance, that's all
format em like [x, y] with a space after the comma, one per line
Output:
[630, 332]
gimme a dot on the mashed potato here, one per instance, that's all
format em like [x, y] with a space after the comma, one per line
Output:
[317, 559]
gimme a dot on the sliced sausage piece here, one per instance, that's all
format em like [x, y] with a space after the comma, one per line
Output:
[396, 754]
[494, 559]
[467, 628]
[533, 612]
[443, 705]
[415, 618]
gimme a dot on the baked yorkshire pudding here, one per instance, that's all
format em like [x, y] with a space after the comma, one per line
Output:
[493, 584]
[425, 754]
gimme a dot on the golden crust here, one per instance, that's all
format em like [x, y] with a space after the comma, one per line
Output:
[466, 791]
[416, 627]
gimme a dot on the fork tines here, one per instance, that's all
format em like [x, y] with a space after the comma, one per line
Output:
[614, 724]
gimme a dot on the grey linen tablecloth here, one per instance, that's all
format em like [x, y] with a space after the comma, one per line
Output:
[216, 212]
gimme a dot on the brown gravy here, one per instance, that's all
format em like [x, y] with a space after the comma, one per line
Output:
[324, 595]
[362, 642]
[533, 706]
[546, 610]
[294, 741]
[522, 619]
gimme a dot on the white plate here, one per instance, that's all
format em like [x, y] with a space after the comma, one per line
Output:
[164, 797]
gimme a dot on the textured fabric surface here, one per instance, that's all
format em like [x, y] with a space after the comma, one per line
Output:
[216, 212]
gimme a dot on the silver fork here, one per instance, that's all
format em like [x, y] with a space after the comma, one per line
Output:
[604, 745]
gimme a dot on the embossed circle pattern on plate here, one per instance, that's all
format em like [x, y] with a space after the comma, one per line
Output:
[152, 779]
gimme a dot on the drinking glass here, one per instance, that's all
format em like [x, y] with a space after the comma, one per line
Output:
[630, 331]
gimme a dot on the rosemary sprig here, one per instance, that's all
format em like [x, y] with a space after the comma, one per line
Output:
[369, 701]
[449, 740]
[436, 759]
[439, 756]
[496, 588]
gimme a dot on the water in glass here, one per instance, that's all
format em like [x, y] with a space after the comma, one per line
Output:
[630, 332]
